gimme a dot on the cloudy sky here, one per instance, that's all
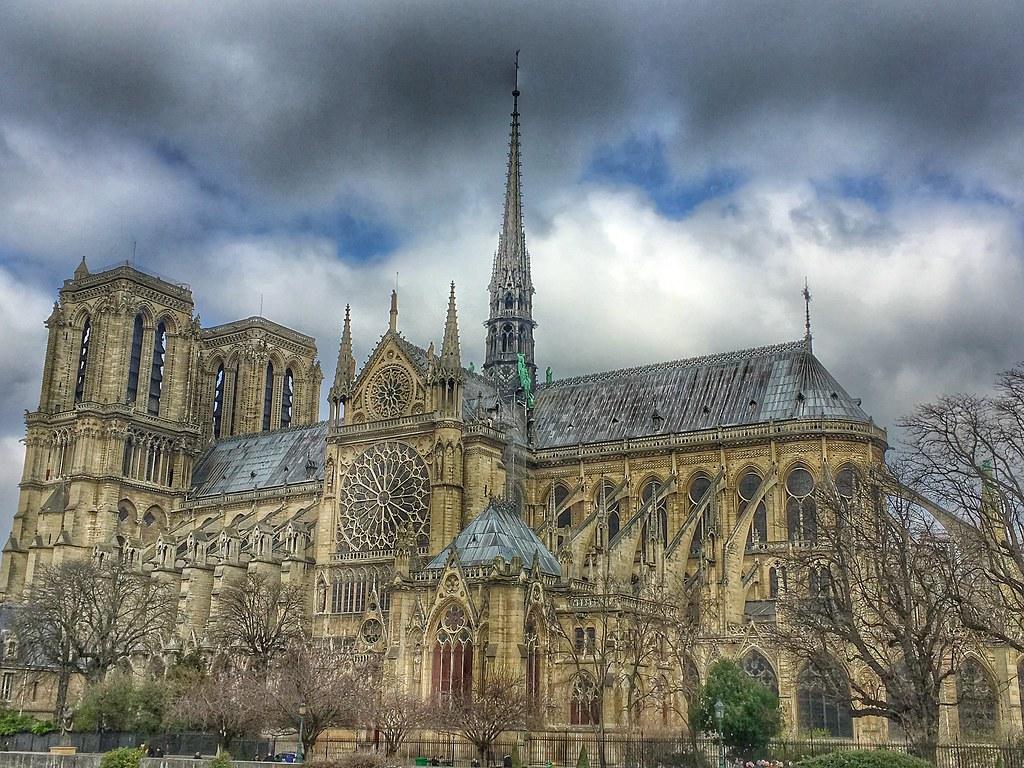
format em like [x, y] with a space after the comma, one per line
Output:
[686, 165]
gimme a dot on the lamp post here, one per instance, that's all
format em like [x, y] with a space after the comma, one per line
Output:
[302, 722]
[719, 718]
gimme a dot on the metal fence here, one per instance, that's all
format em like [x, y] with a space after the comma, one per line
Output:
[559, 748]
[188, 744]
[562, 749]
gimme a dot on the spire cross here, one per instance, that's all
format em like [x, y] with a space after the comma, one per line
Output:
[807, 310]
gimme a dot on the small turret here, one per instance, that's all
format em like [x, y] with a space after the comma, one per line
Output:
[82, 271]
[393, 322]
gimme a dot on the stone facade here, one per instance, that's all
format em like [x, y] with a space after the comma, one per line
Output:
[198, 454]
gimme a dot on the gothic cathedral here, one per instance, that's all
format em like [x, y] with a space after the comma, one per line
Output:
[440, 513]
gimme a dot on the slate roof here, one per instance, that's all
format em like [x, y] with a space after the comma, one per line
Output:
[498, 530]
[752, 386]
[227, 466]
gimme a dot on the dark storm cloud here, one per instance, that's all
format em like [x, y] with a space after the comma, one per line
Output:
[695, 160]
[300, 103]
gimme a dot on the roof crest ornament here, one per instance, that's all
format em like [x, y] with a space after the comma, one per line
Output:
[807, 314]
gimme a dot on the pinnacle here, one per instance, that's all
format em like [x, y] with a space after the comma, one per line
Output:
[450, 355]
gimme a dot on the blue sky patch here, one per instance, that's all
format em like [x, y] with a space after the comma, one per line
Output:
[641, 162]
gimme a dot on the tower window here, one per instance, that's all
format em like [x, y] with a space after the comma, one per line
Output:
[83, 360]
[268, 397]
[156, 376]
[286, 398]
[135, 362]
[218, 402]
[508, 339]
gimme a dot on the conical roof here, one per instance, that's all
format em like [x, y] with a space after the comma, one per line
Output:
[498, 532]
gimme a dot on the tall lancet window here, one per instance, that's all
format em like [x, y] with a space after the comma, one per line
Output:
[218, 401]
[156, 376]
[83, 360]
[268, 397]
[286, 398]
[135, 363]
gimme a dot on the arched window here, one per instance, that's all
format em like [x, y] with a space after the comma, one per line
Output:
[758, 667]
[135, 361]
[749, 484]
[846, 486]
[604, 496]
[565, 516]
[801, 511]
[508, 340]
[977, 704]
[699, 488]
[286, 398]
[584, 707]
[823, 700]
[452, 668]
[218, 401]
[510, 301]
[648, 493]
[83, 360]
[268, 396]
[125, 514]
[532, 660]
[156, 375]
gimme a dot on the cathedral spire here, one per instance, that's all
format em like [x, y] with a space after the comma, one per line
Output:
[450, 358]
[393, 322]
[345, 372]
[510, 325]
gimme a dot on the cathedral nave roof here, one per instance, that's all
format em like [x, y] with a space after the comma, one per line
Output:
[751, 386]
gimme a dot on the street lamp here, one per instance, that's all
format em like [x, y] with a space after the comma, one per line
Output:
[719, 718]
[302, 722]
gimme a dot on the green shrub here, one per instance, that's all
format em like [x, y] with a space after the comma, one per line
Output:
[583, 761]
[350, 760]
[752, 716]
[864, 758]
[695, 759]
[14, 722]
[125, 757]
[120, 704]
[223, 760]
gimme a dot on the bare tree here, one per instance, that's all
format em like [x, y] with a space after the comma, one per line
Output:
[85, 617]
[259, 618]
[967, 453]
[313, 684]
[498, 704]
[878, 588]
[586, 635]
[231, 703]
[683, 607]
[394, 711]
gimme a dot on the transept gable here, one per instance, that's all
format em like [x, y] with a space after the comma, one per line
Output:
[392, 383]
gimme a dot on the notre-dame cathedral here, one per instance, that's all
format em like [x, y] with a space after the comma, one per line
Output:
[438, 506]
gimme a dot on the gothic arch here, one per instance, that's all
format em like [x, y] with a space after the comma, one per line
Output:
[801, 510]
[823, 699]
[977, 699]
[756, 665]
[169, 321]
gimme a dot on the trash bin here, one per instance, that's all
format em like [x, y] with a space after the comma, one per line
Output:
[422, 761]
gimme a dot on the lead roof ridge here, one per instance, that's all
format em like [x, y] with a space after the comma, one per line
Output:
[735, 356]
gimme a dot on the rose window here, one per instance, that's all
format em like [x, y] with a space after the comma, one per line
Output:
[389, 392]
[372, 631]
[385, 488]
